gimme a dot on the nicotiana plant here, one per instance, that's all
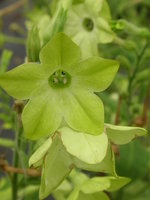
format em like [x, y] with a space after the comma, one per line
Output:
[63, 107]
[59, 107]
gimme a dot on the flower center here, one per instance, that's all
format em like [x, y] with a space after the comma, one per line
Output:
[59, 79]
[88, 24]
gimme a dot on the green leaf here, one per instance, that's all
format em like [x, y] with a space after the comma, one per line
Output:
[117, 183]
[83, 111]
[74, 194]
[59, 52]
[35, 159]
[88, 148]
[5, 59]
[41, 116]
[107, 165]
[23, 80]
[123, 134]
[33, 46]
[134, 160]
[95, 184]
[7, 143]
[57, 165]
[95, 196]
[95, 73]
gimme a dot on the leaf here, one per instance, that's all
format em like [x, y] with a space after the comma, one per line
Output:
[5, 60]
[95, 184]
[35, 159]
[134, 160]
[95, 196]
[7, 143]
[107, 165]
[88, 148]
[57, 165]
[117, 183]
[123, 134]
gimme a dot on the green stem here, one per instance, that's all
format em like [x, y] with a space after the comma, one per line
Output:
[132, 77]
[14, 40]
[11, 39]
[16, 161]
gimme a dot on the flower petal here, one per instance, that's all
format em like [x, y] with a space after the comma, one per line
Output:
[61, 51]
[57, 165]
[23, 80]
[83, 111]
[96, 7]
[95, 73]
[88, 148]
[105, 33]
[41, 116]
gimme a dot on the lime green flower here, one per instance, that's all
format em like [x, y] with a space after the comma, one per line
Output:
[87, 24]
[60, 89]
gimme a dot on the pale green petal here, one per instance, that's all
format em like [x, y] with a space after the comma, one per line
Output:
[94, 7]
[123, 134]
[59, 52]
[88, 43]
[21, 81]
[88, 148]
[57, 165]
[39, 154]
[95, 73]
[107, 165]
[106, 35]
[41, 116]
[83, 111]
[105, 11]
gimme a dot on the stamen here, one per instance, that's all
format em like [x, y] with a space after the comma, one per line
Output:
[64, 81]
[59, 79]
[55, 80]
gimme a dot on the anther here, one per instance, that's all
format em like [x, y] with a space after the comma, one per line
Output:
[64, 81]
[55, 80]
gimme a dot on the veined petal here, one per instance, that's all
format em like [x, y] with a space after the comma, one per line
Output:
[88, 148]
[41, 116]
[88, 43]
[83, 111]
[21, 81]
[94, 7]
[60, 52]
[105, 33]
[95, 73]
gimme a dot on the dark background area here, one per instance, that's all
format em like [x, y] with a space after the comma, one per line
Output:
[18, 57]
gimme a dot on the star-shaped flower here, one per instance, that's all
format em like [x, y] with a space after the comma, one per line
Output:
[60, 89]
[87, 24]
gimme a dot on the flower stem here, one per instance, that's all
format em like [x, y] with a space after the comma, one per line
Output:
[18, 107]
[16, 162]
[14, 40]
[133, 76]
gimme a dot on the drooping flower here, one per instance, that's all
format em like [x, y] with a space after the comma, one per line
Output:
[88, 24]
[60, 88]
